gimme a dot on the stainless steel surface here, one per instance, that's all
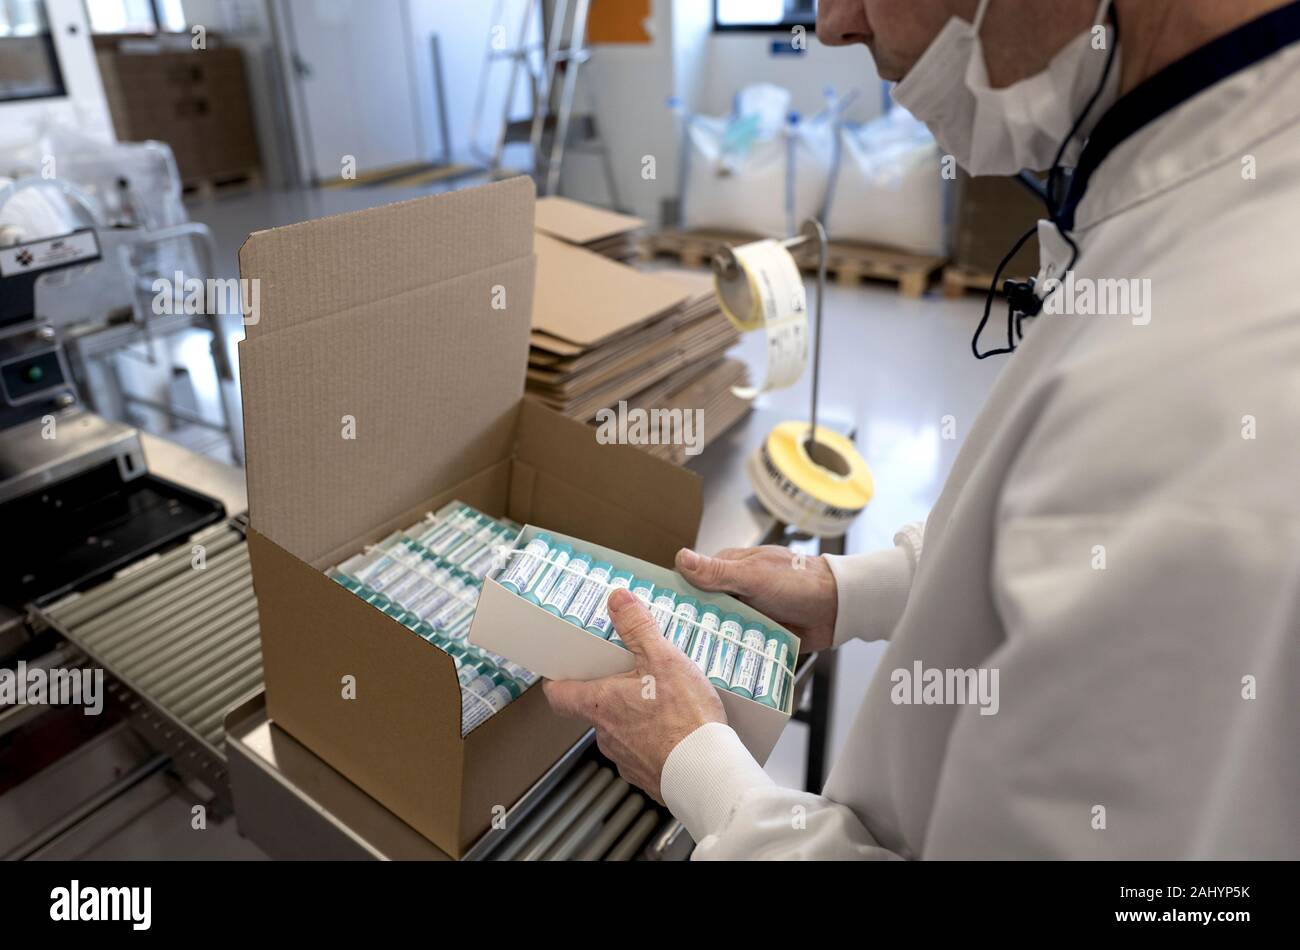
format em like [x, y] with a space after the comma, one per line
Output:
[183, 639]
[30, 459]
[545, 810]
[64, 787]
[198, 472]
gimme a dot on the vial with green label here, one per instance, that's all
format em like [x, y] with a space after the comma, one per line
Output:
[662, 608]
[681, 630]
[601, 624]
[754, 644]
[480, 565]
[706, 637]
[525, 565]
[723, 663]
[587, 599]
[644, 591]
[552, 571]
[566, 588]
[775, 674]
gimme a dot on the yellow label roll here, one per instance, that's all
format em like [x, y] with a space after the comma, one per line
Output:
[819, 494]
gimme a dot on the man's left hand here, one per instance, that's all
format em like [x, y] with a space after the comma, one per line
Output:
[640, 716]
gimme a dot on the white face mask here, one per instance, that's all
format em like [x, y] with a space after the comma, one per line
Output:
[1004, 131]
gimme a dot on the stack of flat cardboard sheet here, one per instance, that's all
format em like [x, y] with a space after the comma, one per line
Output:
[605, 334]
[607, 233]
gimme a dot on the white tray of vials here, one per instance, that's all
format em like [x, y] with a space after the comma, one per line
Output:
[544, 609]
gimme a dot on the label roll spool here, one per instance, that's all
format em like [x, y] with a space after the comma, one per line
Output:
[818, 496]
[760, 288]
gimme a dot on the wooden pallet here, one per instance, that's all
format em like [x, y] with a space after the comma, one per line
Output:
[848, 263]
[957, 280]
[205, 189]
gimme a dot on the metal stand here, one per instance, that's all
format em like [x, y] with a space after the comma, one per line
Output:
[552, 129]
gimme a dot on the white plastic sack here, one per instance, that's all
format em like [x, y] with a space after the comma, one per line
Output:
[889, 189]
[740, 175]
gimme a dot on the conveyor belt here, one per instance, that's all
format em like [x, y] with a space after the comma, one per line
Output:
[183, 638]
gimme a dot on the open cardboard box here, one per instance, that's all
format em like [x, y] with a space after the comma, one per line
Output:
[384, 379]
[507, 624]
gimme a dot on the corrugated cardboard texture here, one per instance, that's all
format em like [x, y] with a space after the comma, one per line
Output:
[992, 214]
[314, 634]
[406, 342]
[584, 298]
[580, 223]
[565, 480]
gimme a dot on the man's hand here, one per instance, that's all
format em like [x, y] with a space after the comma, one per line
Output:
[640, 716]
[796, 591]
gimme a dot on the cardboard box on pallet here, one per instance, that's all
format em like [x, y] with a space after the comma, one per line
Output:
[384, 378]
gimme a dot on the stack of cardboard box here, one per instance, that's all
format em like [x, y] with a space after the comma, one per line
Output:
[612, 235]
[197, 101]
[608, 337]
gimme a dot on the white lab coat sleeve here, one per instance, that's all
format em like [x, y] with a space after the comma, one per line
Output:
[734, 811]
[1146, 684]
[873, 587]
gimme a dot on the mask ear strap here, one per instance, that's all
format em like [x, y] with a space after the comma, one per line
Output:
[979, 16]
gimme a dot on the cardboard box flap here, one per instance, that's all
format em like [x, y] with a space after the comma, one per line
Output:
[355, 415]
[585, 298]
[580, 223]
[321, 267]
[647, 507]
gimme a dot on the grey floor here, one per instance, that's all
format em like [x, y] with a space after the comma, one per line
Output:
[893, 368]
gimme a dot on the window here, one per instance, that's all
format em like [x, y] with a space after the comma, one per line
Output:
[764, 14]
[29, 66]
[135, 16]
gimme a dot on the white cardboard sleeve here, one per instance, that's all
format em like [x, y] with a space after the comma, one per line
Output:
[507, 624]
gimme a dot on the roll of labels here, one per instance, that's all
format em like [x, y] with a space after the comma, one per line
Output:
[809, 477]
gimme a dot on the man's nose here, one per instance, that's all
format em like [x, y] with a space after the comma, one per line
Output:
[842, 22]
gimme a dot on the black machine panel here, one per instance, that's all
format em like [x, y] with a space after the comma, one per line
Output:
[74, 534]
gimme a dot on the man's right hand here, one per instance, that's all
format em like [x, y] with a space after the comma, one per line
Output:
[796, 591]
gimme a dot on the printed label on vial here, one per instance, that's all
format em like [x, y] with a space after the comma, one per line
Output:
[723, 663]
[749, 661]
[588, 596]
[601, 620]
[523, 565]
[662, 611]
[683, 627]
[569, 583]
[554, 571]
[702, 648]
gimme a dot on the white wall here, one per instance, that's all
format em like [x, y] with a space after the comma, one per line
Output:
[84, 106]
[463, 28]
[737, 59]
[705, 70]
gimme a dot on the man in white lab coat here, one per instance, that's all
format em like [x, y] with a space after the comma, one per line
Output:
[1120, 535]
